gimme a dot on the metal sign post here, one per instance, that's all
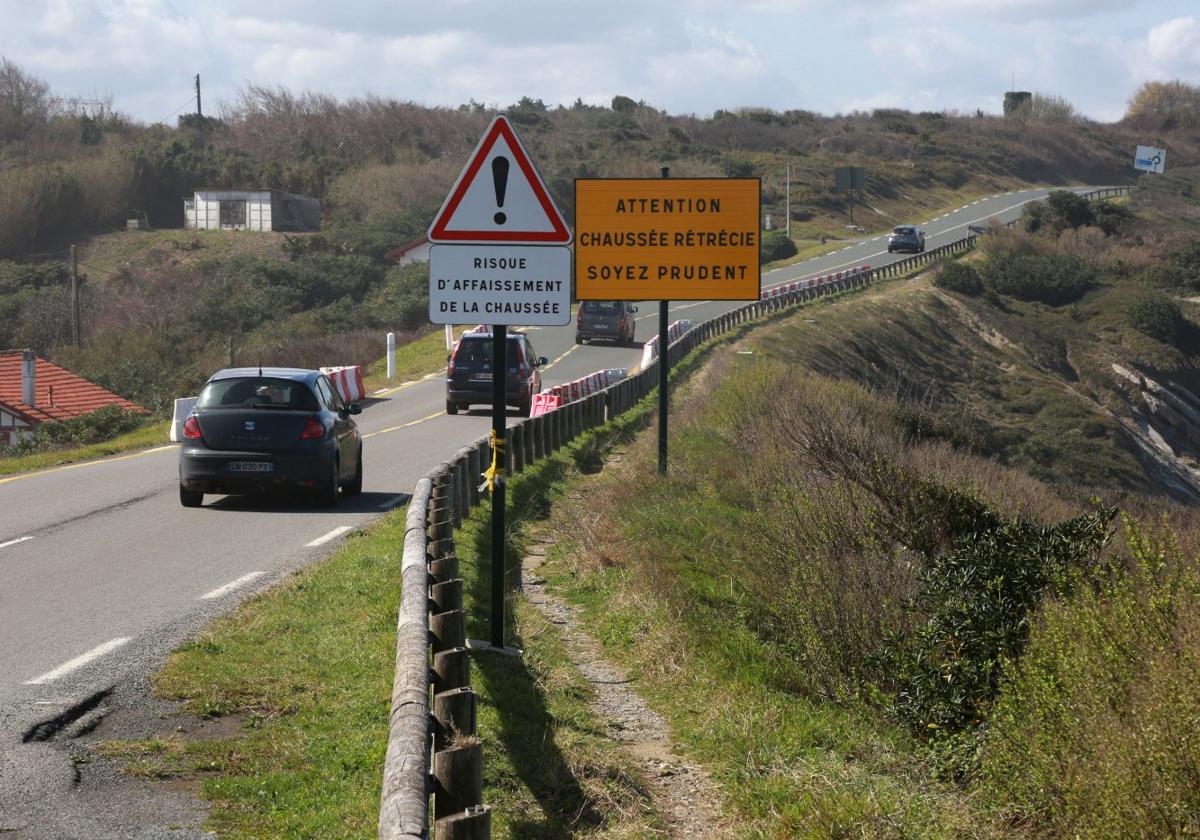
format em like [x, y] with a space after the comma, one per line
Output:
[664, 373]
[499, 426]
[499, 255]
[667, 239]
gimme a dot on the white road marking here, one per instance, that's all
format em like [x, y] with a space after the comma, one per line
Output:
[332, 535]
[78, 661]
[14, 542]
[229, 587]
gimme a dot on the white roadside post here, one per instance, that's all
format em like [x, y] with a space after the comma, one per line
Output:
[391, 356]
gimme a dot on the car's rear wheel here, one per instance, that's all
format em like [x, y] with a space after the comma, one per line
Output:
[525, 407]
[580, 339]
[451, 407]
[190, 498]
[354, 486]
[327, 496]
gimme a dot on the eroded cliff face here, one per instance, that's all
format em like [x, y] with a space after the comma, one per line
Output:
[1164, 422]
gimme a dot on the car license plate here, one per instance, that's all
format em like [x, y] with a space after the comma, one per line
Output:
[481, 377]
[602, 326]
[250, 466]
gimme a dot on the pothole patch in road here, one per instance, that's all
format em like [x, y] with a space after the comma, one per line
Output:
[89, 709]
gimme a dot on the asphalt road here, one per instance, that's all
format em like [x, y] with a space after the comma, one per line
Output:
[102, 571]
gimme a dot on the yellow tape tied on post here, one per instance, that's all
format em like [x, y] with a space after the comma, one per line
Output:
[496, 470]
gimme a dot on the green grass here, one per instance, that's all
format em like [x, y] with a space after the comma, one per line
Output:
[102, 254]
[155, 434]
[787, 766]
[308, 669]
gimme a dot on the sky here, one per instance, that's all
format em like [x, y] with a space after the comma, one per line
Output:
[684, 57]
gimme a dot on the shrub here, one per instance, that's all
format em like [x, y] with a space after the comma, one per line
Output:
[776, 246]
[1062, 209]
[1157, 316]
[958, 277]
[96, 427]
[977, 599]
[1055, 279]
[1186, 261]
[1094, 732]
[1110, 217]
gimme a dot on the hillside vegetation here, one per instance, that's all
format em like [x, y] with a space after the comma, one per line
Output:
[916, 571]
[862, 629]
[162, 309]
[1067, 351]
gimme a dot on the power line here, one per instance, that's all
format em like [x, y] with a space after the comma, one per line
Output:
[178, 110]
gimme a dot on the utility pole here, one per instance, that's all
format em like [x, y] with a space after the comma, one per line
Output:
[788, 193]
[74, 296]
[199, 113]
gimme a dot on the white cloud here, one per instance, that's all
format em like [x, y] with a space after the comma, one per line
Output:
[685, 56]
[1173, 48]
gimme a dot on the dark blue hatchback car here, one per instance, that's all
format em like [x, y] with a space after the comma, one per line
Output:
[255, 430]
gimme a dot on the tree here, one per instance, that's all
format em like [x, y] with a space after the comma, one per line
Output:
[1048, 108]
[24, 102]
[1165, 105]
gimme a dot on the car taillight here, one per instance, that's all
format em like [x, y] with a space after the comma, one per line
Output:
[191, 428]
[579, 315]
[450, 367]
[312, 429]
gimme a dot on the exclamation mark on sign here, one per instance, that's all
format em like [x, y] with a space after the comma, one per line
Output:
[500, 182]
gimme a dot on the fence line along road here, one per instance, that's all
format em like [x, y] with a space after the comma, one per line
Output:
[432, 746]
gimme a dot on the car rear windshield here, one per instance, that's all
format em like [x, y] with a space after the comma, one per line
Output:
[904, 231]
[476, 351]
[257, 392]
[601, 307]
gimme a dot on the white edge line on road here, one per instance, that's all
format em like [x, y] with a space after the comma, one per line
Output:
[14, 542]
[78, 661]
[332, 535]
[229, 587]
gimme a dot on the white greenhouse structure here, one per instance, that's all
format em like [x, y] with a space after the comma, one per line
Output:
[251, 210]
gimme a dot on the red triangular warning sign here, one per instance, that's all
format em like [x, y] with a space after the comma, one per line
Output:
[499, 197]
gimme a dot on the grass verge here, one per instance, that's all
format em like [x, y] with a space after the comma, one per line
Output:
[155, 434]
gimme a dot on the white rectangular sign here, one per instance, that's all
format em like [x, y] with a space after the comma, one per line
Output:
[1150, 159]
[517, 285]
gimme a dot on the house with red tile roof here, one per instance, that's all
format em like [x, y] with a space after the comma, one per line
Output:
[33, 391]
[410, 252]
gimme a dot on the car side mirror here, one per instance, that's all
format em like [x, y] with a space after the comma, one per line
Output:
[542, 360]
[354, 408]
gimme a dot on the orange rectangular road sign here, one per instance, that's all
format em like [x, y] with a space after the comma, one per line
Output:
[667, 239]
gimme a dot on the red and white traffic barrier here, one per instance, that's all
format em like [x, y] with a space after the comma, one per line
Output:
[348, 380]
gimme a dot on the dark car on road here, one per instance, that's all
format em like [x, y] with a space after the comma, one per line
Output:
[255, 430]
[611, 319]
[469, 371]
[906, 238]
